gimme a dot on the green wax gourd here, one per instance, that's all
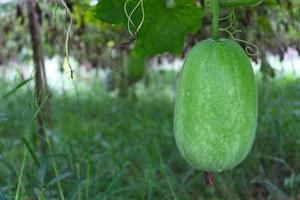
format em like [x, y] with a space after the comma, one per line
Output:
[216, 106]
[134, 67]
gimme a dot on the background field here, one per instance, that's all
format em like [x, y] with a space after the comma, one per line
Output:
[105, 147]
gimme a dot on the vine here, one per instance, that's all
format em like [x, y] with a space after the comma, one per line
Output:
[215, 12]
[251, 50]
[67, 59]
[133, 34]
[129, 16]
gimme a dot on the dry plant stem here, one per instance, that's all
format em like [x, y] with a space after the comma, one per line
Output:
[209, 178]
[41, 88]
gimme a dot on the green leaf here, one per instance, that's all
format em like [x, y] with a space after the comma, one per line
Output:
[110, 11]
[16, 88]
[59, 178]
[28, 147]
[164, 28]
[165, 25]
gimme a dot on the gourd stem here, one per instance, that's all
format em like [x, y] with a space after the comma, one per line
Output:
[209, 178]
[215, 13]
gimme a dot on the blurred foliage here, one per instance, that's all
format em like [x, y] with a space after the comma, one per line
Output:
[123, 148]
[134, 67]
[89, 38]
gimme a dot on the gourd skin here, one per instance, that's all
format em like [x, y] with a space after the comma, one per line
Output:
[134, 67]
[216, 106]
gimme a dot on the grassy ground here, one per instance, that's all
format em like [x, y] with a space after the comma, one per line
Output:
[109, 148]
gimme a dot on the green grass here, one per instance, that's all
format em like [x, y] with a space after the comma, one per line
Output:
[111, 148]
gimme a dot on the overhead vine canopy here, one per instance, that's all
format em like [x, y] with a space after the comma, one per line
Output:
[164, 26]
[273, 25]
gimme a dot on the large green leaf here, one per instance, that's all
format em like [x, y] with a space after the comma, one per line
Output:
[110, 11]
[165, 26]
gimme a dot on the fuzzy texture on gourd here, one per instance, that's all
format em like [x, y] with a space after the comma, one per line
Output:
[216, 106]
[134, 67]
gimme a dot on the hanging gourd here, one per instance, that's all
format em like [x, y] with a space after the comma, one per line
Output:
[216, 102]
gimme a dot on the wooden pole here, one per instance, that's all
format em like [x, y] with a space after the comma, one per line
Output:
[41, 88]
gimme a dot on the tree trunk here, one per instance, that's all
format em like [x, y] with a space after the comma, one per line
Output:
[41, 88]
